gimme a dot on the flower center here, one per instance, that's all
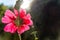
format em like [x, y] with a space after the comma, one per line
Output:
[18, 21]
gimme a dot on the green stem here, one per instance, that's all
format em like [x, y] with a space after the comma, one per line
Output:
[19, 36]
[35, 37]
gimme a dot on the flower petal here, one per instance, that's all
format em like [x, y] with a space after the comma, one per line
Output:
[26, 27]
[28, 15]
[23, 28]
[10, 28]
[16, 12]
[22, 13]
[6, 19]
[10, 14]
[28, 22]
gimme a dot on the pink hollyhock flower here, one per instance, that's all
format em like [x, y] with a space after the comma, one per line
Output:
[11, 19]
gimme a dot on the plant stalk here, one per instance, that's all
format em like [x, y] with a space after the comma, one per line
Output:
[19, 36]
